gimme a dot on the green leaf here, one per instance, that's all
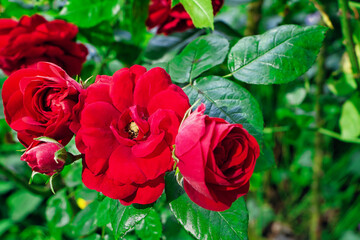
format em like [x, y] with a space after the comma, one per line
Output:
[5, 224]
[85, 222]
[200, 11]
[88, 13]
[58, 209]
[174, 3]
[228, 100]
[202, 223]
[343, 86]
[103, 212]
[277, 56]
[199, 56]
[21, 204]
[350, 118]
[149, 228]
[133, 15]
[266, 159]
[124, 218]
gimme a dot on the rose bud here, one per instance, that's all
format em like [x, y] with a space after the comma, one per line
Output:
[39, 102]
[176, 19]
[42, 157]
[34, 39]
[127, 128]
[216, 160]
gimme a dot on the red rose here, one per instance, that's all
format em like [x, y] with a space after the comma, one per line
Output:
[6, 25]
[39, 101]
[176, 19]
[128, 125]
[34, 39]
[41, 158]
[216, 160]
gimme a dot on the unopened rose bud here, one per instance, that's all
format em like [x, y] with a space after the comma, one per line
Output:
[42, 157]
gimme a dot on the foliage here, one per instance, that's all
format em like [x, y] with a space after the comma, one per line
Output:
[238, 78]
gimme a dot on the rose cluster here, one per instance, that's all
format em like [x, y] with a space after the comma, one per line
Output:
[168, 20]
[127, 126]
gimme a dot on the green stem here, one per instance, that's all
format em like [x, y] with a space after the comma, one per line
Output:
[348, 39]
[315, 227]
[253, 18]
[24, 184]
[338, 136]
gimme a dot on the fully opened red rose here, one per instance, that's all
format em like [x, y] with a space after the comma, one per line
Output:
[176, 19]
[34, 39]
[128, 124]
[39, 101]
[216, 160]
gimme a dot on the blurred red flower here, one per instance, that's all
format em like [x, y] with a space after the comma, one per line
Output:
[34, 39]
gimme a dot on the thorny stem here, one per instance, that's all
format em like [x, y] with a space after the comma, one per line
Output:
[315, 228]
[24, 184]
[348, 39]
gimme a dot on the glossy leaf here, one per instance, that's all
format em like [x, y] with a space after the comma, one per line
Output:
[277, 56]
[88, 13]
[202, 223]
[228, 100]
[149, 228]
[199, 56]
[200, 11]
[124, 218]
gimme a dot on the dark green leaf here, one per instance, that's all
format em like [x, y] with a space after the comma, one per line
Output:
[58, 209]
[150, 227]
[202, 223]
[200, 55]
[200, 11]
[124, 218]
[88, 13]
[228, 100]
[277, 56]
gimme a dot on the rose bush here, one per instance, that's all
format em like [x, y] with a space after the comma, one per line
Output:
[176, 19]
[40, 156]
[39, 101]
[34, 39]
[216, 160]
[128, 125]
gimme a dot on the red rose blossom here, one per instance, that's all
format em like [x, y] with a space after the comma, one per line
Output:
[176, 19]
[34, 39]
[216, 160]
[41, 157]
[128, 125]
[39, 102]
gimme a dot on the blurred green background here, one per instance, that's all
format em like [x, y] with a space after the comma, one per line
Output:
[281, 199]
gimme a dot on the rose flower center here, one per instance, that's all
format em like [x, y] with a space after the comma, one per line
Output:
[132, 129]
